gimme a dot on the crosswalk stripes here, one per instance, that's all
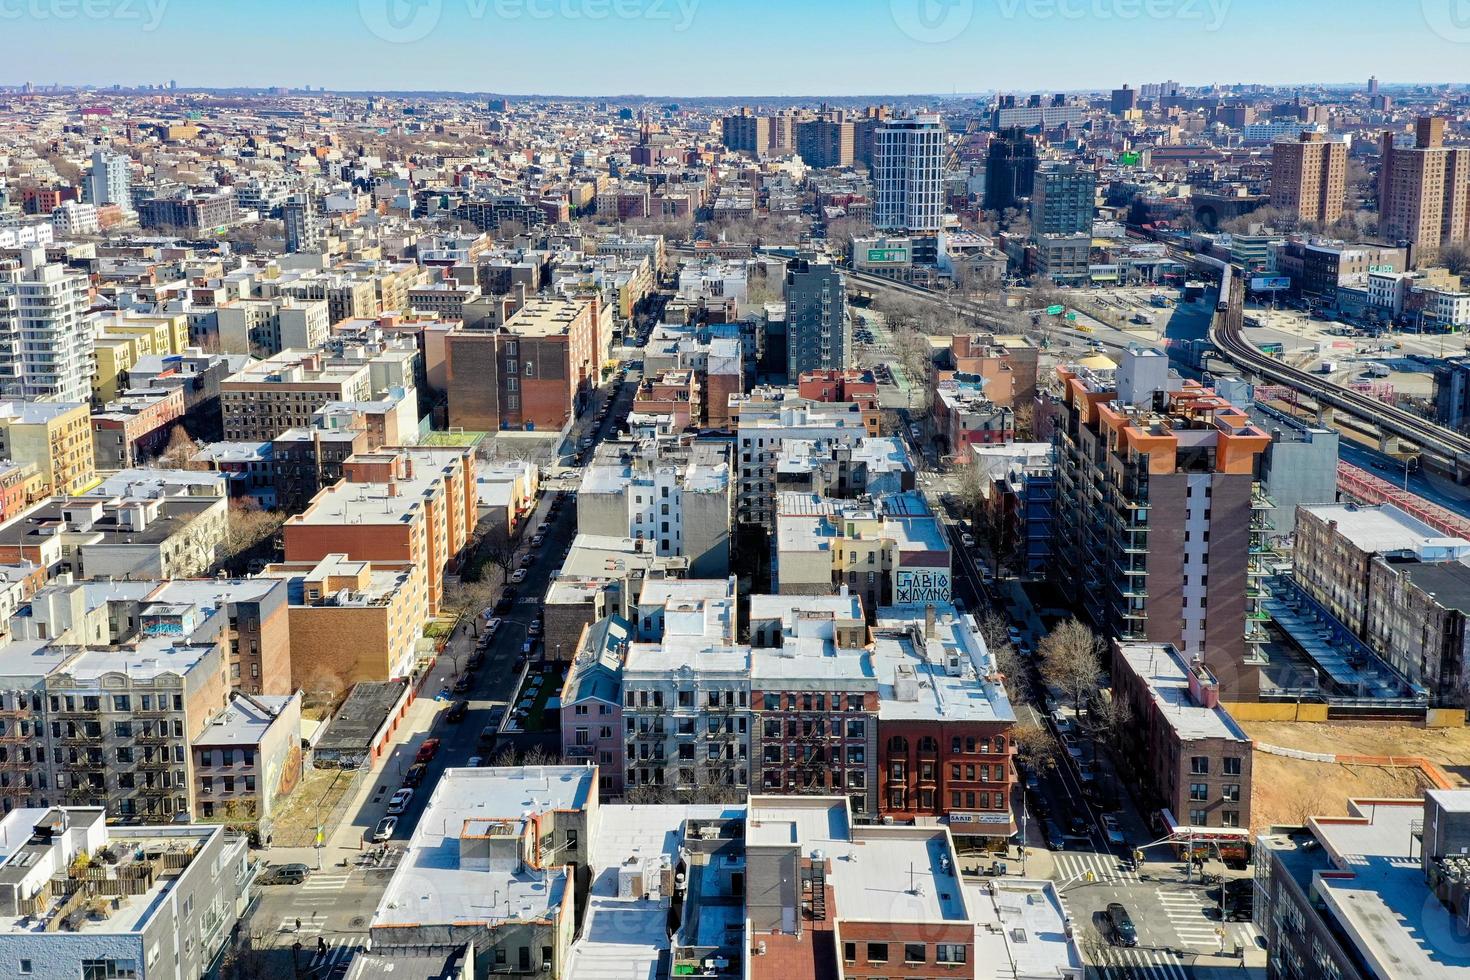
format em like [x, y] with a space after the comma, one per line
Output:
[338, 953]
[1187, 917]
[322, 882]
[1106, 867]
[308, 927]
[1122, 963]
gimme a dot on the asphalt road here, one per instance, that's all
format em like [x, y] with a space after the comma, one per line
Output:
[335, 905]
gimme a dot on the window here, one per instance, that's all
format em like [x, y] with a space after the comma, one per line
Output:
[25, 966]
[108, 969]
[949, 953]
[1199, 765]
[1230, 793]
[1199, 792]
[877, 952]
[1231, 765]
[1197, 818]
[849, 952]
[1230, 818]
[914, 952]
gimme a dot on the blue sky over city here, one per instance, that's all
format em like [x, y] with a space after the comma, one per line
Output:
[734, 47]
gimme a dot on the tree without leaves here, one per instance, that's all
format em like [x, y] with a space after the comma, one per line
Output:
[249, 526]
[1036, 748]
[1112, 718]
[1456, 258]
[1071, 659]
[179, 453]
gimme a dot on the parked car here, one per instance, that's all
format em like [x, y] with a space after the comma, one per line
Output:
[535, 627]
[457, 711]
[384, 829]
[491, 625]
[415, 774]
[968, 540]
[463, 683]
[285, 874]
[400, 801]
[428, 750]
[476, 661]
[1121, 930]
[537, 540]
[1115, 832]
[475, 761]
[518, 576]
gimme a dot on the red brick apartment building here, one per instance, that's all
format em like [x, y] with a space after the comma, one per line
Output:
[533, 373]
[944, 727]
[886, 900]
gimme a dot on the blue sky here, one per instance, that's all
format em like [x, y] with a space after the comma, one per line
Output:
[730, 47]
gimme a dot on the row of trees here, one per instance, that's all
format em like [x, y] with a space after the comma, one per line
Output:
[1070, 659]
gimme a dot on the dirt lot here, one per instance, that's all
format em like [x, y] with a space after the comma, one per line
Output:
[1286, 791]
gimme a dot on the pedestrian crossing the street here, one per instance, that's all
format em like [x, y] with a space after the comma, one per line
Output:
[332, 955]
[307, 927]
[1122, 963]
[1103, 867]
[1187, 916]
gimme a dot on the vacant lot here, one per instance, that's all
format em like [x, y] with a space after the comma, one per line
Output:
[1287, 791]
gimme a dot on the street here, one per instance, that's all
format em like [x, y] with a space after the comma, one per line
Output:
[335, 905]
[1064, 827]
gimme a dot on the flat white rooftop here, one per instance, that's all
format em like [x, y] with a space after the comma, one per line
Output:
[1396, 923]
[888, 874]
[1388, 530]
[430, 887]
[623, 937]
[1167, 676]
[1021, 925]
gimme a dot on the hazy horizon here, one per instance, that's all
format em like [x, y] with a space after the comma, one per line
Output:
[729, 48]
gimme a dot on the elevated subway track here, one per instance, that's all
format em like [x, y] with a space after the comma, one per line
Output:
[1441, 448]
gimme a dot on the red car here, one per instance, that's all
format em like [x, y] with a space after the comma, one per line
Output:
[427, 750]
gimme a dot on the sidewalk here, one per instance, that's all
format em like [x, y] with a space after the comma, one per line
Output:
[348, 839]
[1230, 968]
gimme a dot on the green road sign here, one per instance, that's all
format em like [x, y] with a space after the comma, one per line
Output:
[1055, 310]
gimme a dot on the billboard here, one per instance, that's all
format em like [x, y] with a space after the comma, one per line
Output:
[880, 256]
[1270, 284]
[914, 585]
[1129, 159]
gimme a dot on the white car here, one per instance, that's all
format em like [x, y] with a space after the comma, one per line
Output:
[537, 540]
[491, 625]
[400, 801]
[968, 540]
[385, 829]
[1115, 833]
[518, 576]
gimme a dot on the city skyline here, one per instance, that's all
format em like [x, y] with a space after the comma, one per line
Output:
[667, 47]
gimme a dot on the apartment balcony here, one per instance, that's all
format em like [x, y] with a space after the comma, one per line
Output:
[1130, 569]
